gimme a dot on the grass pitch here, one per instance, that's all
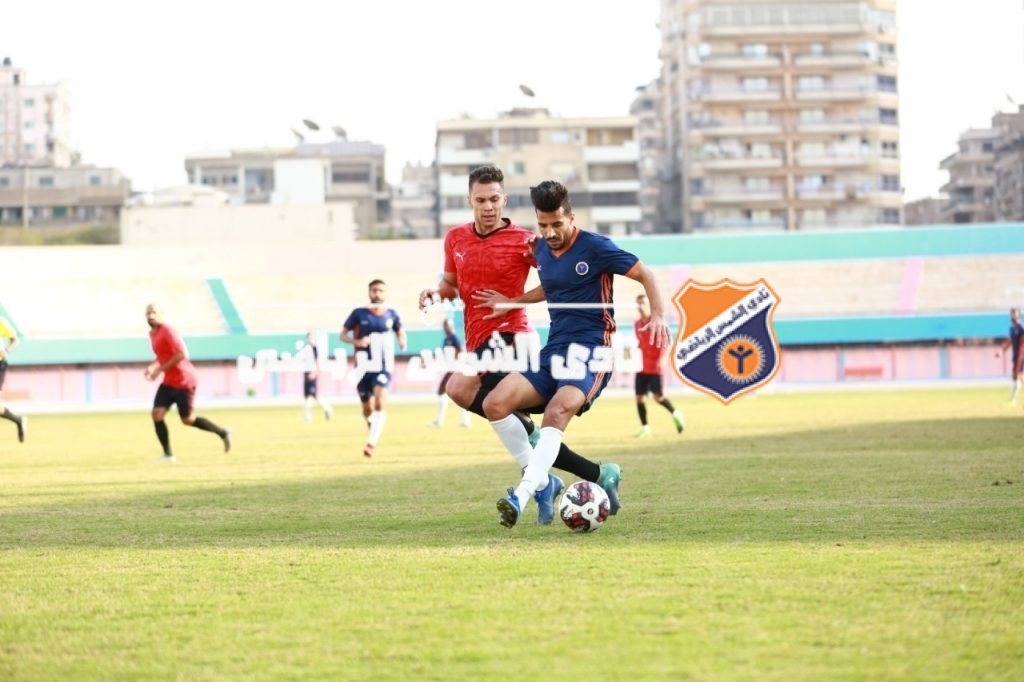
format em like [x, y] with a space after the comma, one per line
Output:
[843, 536]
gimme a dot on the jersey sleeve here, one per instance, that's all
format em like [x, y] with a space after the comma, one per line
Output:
[449, 251]
[397, 325]
[352, 321]
[614, 259]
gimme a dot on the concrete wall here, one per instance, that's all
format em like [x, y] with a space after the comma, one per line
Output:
[238, 224]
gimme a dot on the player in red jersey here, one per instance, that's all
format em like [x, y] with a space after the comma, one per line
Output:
[178, 386]
[649, 378]
[494, 255]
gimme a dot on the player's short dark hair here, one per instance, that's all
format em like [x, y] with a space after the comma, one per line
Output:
[373, 282]
[485, 175]
[549, 196]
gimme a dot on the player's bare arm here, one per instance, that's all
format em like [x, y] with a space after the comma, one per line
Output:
[501, 304]
[155, 370]
[346, 336]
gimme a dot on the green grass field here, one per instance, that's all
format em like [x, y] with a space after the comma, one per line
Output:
[832, 536]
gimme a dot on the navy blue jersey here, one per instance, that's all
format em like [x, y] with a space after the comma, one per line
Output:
[582, 274]
[365, 321]
[1016, 334]
[453, 341]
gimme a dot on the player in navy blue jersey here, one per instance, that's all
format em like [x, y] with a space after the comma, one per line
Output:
[372, 330]
[1015, 344]
[576, 269]
[451, 340]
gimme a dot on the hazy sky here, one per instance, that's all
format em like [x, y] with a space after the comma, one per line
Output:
[153, 80]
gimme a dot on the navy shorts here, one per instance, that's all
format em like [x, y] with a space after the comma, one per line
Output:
[588, 380]
[308, 387]
[370, 381]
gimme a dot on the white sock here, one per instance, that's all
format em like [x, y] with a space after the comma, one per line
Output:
[442, 409]
[323, 406]
[1016, 389]
[535, 476]
[307, 410]
[377, 420]
[465, 417]
[512, 435]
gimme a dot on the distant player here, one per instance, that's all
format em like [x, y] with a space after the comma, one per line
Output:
[649, 378]
[178, 386]
[8, 340]
[309, 381]
[451, 340]
[364, 325]
[1015, 343]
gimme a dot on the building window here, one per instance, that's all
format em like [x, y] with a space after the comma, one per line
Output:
[758, 184]
[812, 115]
[341, 175]
[5, 181]
[891, 183]
[754, 50]
[60, 212]
[811, 83]
[477, 140]
[29, 102]
[518, 168]
[887, 83]
[888, 116]
[890, 215]
[755, 83]
[46, 181]
[756, 116]
[560, 137]
[890, 150]
[518, 136]
[95, 180]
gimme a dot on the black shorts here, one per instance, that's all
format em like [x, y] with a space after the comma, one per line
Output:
[182, 397]
[647, 383]
[3, 372]
[308, 387]
[488, 380]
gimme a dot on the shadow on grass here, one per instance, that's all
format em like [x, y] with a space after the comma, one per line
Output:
[935, 481]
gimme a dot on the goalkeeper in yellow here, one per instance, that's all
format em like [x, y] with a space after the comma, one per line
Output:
[8, 341]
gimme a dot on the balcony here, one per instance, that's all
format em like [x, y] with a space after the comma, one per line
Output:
[741, 195]
[775, 30]
[842, 60]
[615, 214]
[613, 186]
[840, 93]
[727, 162]
[733, 128]
[627, 152]
[738, 94]
[727, 62]
[449, 156]
[840, 125]
[968, 182]
[835, 159]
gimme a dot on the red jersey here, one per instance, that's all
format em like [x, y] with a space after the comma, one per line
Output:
[500, 260]
[166, 344]
[653, 356]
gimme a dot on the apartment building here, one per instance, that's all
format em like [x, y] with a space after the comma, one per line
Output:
[656, 197]
[1008, 194]
[926, 211]
[49, 196]
[596, 158]
[345, 171]
[414, 203]
[35, 120]
[986, 173]
[972, 178]
[781, 115]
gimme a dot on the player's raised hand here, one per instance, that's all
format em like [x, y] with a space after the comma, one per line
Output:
[429, 297]
[489, 298]
[657, 328]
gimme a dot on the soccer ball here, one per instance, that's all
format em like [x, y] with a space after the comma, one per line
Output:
[584, 507]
